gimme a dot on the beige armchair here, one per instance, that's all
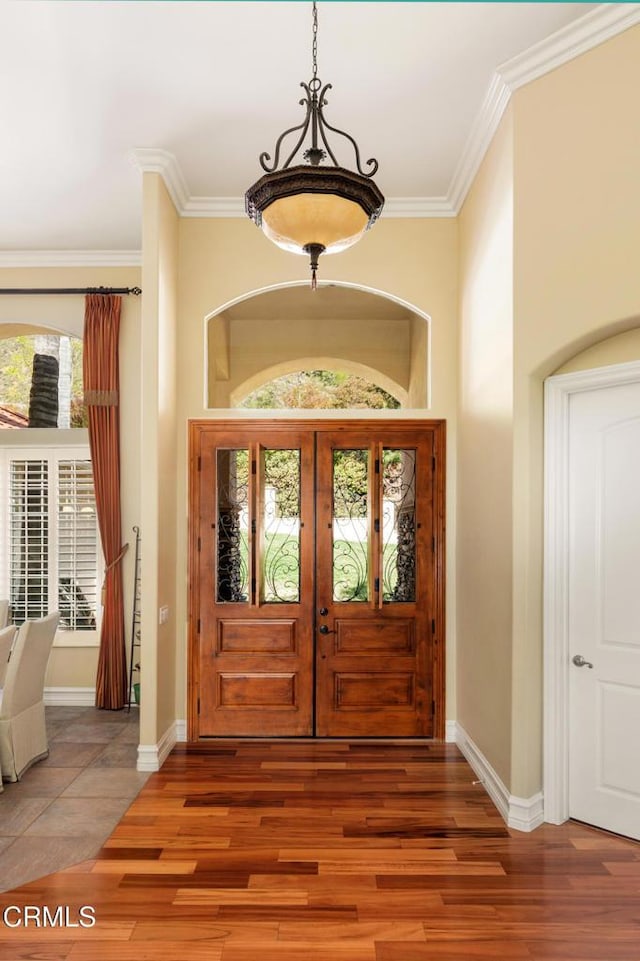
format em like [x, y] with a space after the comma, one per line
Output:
[23, 735]
[7, 636]
[4, 613]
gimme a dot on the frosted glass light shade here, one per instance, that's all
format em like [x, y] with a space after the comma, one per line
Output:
[324, 219]
[329, 207]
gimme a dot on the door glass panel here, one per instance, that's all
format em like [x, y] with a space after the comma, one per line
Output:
[398, 525]
[232, 526]
[350, 525]
[280, 552]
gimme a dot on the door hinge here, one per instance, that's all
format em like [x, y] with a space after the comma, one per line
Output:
[433, 625]
[376, 525]
[253, 585]
[377, 466]
[199, 545]
[198, 705]
[433, 463]
[376, 585]
[253, 467]
[199, 462]
[198, 625]
[433, 707]
[433, 544]
[253, 525]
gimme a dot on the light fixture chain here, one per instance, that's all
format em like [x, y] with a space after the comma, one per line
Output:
[314, 48]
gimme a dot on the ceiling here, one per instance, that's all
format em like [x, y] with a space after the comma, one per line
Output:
[83, 84]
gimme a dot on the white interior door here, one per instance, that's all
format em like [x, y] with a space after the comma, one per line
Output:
[604, 607]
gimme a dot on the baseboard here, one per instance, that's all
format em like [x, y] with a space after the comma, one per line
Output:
[526, 813]
[70, 696]
[181, 731]
[451, 732]
[521, 814]
[151, 757]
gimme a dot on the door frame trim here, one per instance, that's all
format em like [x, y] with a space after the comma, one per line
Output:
[197, 426]
[557, 397]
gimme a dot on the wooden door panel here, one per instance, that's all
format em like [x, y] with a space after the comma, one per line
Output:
[245, 637]
[255, 638]
[375, 636]
[375, 574]
[373, 690]
[259, 690]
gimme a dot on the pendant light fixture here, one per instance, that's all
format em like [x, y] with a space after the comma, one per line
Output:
[311, 208]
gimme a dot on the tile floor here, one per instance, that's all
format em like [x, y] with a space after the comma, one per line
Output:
[65, 806]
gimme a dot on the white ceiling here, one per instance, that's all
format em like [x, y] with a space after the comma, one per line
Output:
[82, 84]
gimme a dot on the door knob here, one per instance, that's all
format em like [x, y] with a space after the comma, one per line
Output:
[325, 630]
[579, 661]
[324, 611]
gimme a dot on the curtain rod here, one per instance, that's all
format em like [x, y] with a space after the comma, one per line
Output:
[136, 291]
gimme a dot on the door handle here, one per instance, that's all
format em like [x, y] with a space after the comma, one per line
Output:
[579, 661]
[323, 611]
[323, 629]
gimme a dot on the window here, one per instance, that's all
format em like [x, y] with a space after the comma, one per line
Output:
[50, 558]
[41, 381]
[320, 389]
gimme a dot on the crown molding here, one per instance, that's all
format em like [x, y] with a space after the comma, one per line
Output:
[70, 258]
[418, 207]
[601, 24]
[152, 160]
[214, 207]
[480, 136]
[597, 26]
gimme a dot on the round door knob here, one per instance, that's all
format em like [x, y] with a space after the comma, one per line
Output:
[324, 629]
[324, 611]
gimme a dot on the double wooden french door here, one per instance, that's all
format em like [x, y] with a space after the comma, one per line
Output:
[316, 579]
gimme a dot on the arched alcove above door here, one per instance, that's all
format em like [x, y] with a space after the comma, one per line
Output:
[360, 329]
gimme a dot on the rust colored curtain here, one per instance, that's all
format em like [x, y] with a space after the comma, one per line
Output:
[101, 394]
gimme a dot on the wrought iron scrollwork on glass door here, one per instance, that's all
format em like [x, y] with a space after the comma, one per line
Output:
[280, 560]
[398, 525]
[351, 525]
[232, 526]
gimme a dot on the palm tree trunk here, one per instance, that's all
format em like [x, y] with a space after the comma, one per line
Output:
[43, 400]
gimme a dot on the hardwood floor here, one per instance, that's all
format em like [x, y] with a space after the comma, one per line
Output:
[334, 851]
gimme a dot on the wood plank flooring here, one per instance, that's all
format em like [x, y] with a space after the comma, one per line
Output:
[335, 851]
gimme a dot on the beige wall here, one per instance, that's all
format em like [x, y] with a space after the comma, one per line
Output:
[484, 545]
[275, 346]
[619, 349]
[568, 152]
[76, 666]
[576, 280]
[414, 261]
[158, 452]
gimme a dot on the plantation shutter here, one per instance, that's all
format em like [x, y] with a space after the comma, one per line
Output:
[77, 545]
[29, 539]
[50, 552]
